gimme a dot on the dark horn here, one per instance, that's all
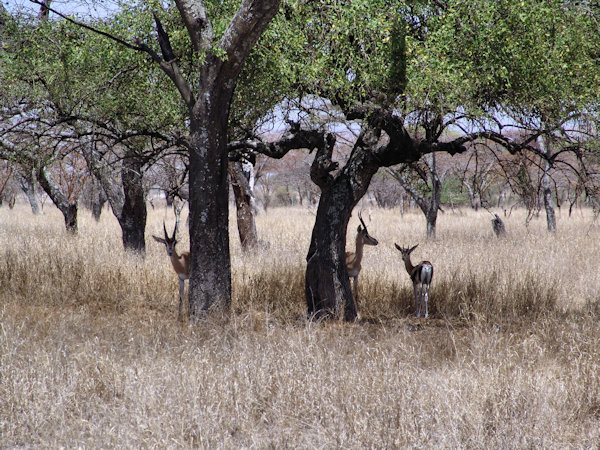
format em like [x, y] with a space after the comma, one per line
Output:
[165, 229]
[361, 220]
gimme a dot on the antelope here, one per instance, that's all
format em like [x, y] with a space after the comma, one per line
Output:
[181, 263]
[353, 259]
[421, 276]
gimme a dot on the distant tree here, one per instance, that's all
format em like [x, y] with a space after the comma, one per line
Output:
[428, 175]
[478, 176]
[536, 68]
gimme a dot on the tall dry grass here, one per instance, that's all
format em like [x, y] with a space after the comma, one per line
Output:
[91, 354]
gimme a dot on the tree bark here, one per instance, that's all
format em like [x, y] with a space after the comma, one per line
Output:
[133, 212]
[210, 261]
[327, 286]
[434, 203]
[546, 181]
[244, 205]
[98, 199]
[128, 201]
[54, 191]
[27, 183]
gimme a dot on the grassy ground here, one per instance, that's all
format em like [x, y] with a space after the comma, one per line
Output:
[91, 353]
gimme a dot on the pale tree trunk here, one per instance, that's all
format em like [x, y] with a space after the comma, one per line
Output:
[429, 207]
[434, 203]
[544, 145]
[244, 203]
[27, 183]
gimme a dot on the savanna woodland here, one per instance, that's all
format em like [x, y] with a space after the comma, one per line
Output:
[289, 223]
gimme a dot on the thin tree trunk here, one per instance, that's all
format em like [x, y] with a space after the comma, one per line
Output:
[98, 199]
[548, 204]
[27, 183]
[433, 203]
[244, 206]
[544, 144]
[54, 191]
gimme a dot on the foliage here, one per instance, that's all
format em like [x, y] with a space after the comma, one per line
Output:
[539, 58]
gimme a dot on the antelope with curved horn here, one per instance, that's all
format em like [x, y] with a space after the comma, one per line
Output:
[421, 276]
[181, 263]
[353, 259]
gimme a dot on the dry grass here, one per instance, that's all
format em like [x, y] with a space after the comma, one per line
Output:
[91, 354]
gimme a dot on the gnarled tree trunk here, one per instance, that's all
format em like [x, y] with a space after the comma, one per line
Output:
[54, 191]
[327, 286]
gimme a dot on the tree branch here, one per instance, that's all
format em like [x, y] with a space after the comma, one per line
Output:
[193, 13]
[245, 28]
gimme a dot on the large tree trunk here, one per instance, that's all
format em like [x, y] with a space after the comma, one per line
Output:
[244, 205]
[210, 263]
[327, 286]
[208, 104]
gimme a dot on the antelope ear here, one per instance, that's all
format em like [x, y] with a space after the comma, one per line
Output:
[398, 247]
[359, 229]
[410, 251]
[161, 240]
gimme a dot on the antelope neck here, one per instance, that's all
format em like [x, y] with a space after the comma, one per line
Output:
[409, 266]
[359, 248]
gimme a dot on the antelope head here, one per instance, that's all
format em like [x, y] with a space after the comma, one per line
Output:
[169, 242]
[364, 233]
